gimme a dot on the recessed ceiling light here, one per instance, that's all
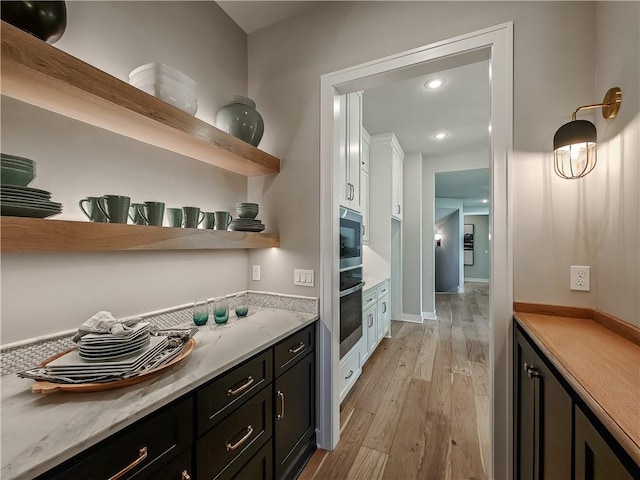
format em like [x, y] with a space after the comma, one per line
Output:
[485, 200]
[434, 83]
[490, 128]
[440, 135]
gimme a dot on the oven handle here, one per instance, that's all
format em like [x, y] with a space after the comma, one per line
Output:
[349, 291]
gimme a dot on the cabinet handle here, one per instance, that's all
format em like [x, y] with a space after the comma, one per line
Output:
[280, 416]
[231, 447]
[364, 229]
[384, 307]
[142, 455]
[353, 191]
[349, 376]
[370, 317]
[531, 371]
[185, 475]
[398, 209]
[298, 349]
[231, 392]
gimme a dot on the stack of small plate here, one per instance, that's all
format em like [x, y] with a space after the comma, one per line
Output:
[105, 346]
[168, 84]
[246, 225]
[16, 198]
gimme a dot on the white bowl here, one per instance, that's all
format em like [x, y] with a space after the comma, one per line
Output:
[171, 97]
[166, 82]
[155, 69]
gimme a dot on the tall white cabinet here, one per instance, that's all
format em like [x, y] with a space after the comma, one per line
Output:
[349, 134]
[364, 186]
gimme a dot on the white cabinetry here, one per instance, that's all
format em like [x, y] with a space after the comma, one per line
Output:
[350, 369]
[386, 174]
[384, 311]
[397, 158]
[364, 186]
[369, 322]
[349, 135]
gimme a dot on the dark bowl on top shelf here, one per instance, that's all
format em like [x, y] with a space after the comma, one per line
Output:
[45, 20]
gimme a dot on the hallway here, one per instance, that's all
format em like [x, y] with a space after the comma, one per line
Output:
[420, 410]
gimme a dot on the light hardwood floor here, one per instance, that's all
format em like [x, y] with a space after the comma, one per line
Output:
[420, 410]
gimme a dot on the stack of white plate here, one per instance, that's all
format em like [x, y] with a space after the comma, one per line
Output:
[72, 365]
[106, 346]
[168, 84]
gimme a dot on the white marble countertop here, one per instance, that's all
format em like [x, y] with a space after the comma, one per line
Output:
[41, 431]
[372, 282]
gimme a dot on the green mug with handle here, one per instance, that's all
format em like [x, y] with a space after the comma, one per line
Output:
[192, 217]
[114, 207]
[152, 212]
[89, 207]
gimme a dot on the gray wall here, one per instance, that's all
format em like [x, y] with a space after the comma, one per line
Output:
[480, 267]
[47, 293]
[447, 256]
[554, 60]
[412, 234]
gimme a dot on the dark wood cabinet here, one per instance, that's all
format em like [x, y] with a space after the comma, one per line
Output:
[543, 417]
[242, 425]
[555, 434]
[295, 417]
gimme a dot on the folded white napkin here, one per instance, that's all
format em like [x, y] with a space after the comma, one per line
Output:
[105, 322]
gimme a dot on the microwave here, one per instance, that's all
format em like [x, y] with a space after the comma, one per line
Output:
[350, 239]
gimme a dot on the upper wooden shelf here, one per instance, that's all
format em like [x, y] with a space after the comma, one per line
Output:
[39, 74]
[41, 235]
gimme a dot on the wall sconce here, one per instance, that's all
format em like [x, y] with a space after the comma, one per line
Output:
[438, 238]
[574, 144]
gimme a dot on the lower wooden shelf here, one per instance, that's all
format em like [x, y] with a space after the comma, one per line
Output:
[19, 234]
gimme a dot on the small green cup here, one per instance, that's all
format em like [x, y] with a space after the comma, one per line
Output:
[135, 215]
[221, 310]
[89, 207]
[174, 217]
[152, 212]
[200, 312]
[209, 220]
[223, 219]
[192, 217]
[114, 207]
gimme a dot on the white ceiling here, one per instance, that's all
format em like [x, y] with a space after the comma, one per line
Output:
[470, 186]
[252, 16]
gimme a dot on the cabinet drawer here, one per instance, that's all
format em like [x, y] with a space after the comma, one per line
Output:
[350, 370]
[289, 351]
[383, 289]
[229, 391]
[260, 467]
[158, 439]
[369, 297]
[224, 449]
[178, 469]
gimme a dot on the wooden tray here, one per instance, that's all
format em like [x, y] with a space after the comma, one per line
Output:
[49, 387]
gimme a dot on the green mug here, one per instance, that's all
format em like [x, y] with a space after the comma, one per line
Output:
[135, 216]
[223, 219]
[209, 220]
[92, 211]
[152, 212]
[174, 217]
[114, 207]
[192, 217]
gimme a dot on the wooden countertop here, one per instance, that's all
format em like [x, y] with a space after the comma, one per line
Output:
[602, 366]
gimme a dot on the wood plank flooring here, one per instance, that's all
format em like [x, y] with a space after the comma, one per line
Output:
[420, 410]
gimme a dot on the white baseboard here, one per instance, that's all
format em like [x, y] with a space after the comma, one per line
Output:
[406, 317]
[429, 316]
[476, 280]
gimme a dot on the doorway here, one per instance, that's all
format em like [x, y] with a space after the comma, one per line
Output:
[405, 65]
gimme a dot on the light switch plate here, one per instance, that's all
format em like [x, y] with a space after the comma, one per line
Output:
[256, 272]
[303, 278]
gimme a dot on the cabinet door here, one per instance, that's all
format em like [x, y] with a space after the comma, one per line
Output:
[397, 182]
[595, 460]
[354, 147]
[371, 319]
[384, 317]
[524, 407]
[364, 205]
[340, 147]
[294, 414]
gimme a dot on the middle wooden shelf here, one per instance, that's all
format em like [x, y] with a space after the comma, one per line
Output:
[18, 234]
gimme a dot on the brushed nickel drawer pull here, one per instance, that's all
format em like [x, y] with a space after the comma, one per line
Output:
[349, 376]
[297, 349]
[384, 307]
[185, 475]
[231, 447]
[142, 455]
[281, 414]
[231, 392]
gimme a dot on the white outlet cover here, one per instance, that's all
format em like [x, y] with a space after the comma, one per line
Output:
[581, 278]
[256, 272]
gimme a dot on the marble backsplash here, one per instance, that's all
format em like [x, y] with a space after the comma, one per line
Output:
[29, 353]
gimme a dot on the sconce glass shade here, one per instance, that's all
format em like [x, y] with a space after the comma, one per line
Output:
[574, 149]
[438, 239]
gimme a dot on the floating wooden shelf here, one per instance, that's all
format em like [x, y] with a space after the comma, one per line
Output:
[39, 74]
[41, 235]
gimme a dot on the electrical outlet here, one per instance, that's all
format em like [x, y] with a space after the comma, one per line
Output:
[256, 272]
[304, 278]
[581, 278]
